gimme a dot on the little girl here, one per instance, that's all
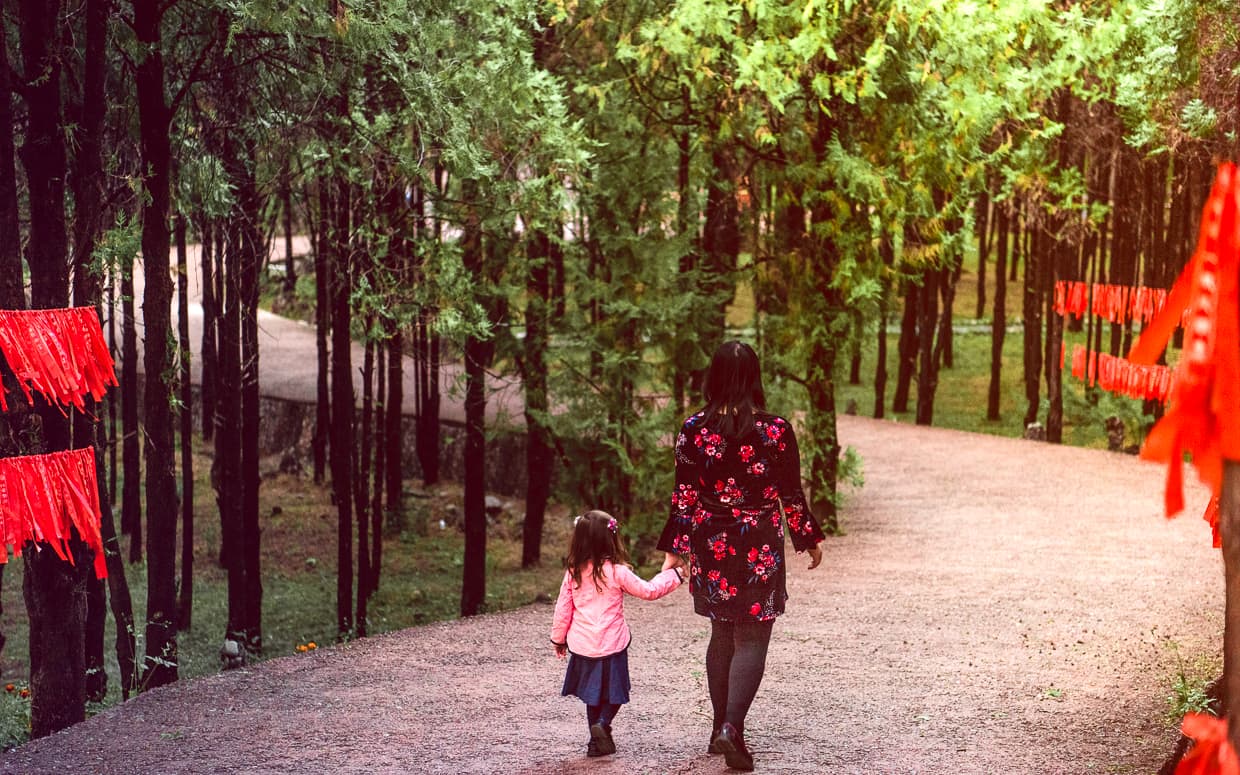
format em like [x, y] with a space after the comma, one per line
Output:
[589, 621]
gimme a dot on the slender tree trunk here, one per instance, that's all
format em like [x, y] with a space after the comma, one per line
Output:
[361, 485]
[927, 320]
[906, 347]
[538, 438]
[342, 438]
[1033, 321]
[131, 450]
[210, 329]
[324, 260]
[887, 251]
[118, 585]
[394, 434]
[227, 474]
[998, 322]
[477, 357]
[983, 250]
[253, 250]
[290, 263]
[185, 600]
[380, 469]
[12, 294]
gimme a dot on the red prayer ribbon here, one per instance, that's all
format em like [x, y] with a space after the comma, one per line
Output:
[43, 498]
[1119, 375]
[1203, 416]
[1116, 303]
[59, 353]
[1211, 753]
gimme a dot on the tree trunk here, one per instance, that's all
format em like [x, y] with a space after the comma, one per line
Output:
[54, 590]
[185, 602]
[290, 263]
[342, 438]
[983, 250]
[210, 327]
[361, 485]
[227, 474]
[118, 584]
[88, 184]
[324, 261]
[477, 357]
[12, 294]
[253, 249]
[887, 251]
[906, 348]
[534, 370]
[394, 435]
[380, 470]
[1033, 320]
[998, 322]
[927, 324]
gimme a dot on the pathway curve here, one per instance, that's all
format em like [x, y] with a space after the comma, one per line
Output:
[997, 606]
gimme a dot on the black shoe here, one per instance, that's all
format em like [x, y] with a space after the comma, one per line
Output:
[732, 744]
[592, 749]
[600, 739]
[714, 743]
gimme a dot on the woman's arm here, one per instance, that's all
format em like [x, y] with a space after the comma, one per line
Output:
[802, 527]
[675, 536]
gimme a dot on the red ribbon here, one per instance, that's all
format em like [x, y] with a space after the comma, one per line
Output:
[1116, 303]
[44, 497]
[59, 353]
[1119, 375]
[1203, 416]
[1212, 753]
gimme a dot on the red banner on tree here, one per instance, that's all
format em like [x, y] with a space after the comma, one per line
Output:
[44, 497]
[57, 352]
[1115, 303]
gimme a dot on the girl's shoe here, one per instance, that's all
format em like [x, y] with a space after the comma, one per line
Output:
[732, 744]
[714, 742]
[600, 741]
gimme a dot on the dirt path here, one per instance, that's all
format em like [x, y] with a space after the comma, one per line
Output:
[998, 606]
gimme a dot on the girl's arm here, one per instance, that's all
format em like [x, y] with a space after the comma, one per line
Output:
[664, 582]
[563, 618]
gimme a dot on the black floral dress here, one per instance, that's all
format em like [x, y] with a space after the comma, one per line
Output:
[725, 515]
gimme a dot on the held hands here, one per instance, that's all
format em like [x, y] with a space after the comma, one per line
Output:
[815, 556]
[672, 561]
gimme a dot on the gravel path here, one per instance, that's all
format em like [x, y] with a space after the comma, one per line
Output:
[997, 606]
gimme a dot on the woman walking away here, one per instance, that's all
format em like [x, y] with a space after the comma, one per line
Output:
[738, 480]
[589, 621]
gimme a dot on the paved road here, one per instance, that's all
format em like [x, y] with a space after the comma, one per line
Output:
[997, 606]
[288, 359]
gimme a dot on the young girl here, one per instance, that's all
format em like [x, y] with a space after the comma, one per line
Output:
[589, 621]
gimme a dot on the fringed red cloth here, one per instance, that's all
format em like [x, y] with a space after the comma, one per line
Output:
[1116, 303]
[1203, 416]
[57, 352]
[43, 497]
[1119, 375]
[1211, 753]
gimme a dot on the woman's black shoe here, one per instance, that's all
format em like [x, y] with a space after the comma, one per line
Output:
[600, 741]
[732, 744]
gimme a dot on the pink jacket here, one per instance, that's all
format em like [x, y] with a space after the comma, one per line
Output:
[590, 620]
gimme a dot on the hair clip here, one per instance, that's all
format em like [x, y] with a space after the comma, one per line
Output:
[577, 519]
[613, 525]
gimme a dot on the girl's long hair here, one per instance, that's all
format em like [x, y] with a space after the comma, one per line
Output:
[595, 543]
[733, 389]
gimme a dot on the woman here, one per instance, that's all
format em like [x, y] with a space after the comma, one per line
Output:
[738, 479]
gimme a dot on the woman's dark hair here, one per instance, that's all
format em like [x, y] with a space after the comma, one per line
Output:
[733, 389]
[596, 540]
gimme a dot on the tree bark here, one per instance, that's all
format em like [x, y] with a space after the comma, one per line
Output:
[185, 601]
[998, 322]
[887, 251]
[210, 327]
[54, 590]
[1032, 322]
[927, 325]
[342, 438]
[983, 250]
[534, 369]
[324, 262]
[361, 485]
[477, 357]
[906, 348]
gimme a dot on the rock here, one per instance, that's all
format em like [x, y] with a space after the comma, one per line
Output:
[851, 408]
[542, 597]
[1115, 433]
[232, 655]
[276, 511]
[1035, 432]
[494, 505]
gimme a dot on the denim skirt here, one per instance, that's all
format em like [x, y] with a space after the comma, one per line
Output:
[598, 680]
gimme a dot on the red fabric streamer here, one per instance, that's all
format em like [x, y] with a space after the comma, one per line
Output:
[1118, 375]
[1211, 753]
[1115, 303]
[59, 353]
[1203, 417]
[44, 497]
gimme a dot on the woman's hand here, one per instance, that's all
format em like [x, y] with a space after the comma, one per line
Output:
[672, 561]
[815, 556]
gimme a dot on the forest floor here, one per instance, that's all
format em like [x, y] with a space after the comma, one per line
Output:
[996, 605]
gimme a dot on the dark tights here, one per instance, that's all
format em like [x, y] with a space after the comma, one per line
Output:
[735, 662]
[601, 714]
